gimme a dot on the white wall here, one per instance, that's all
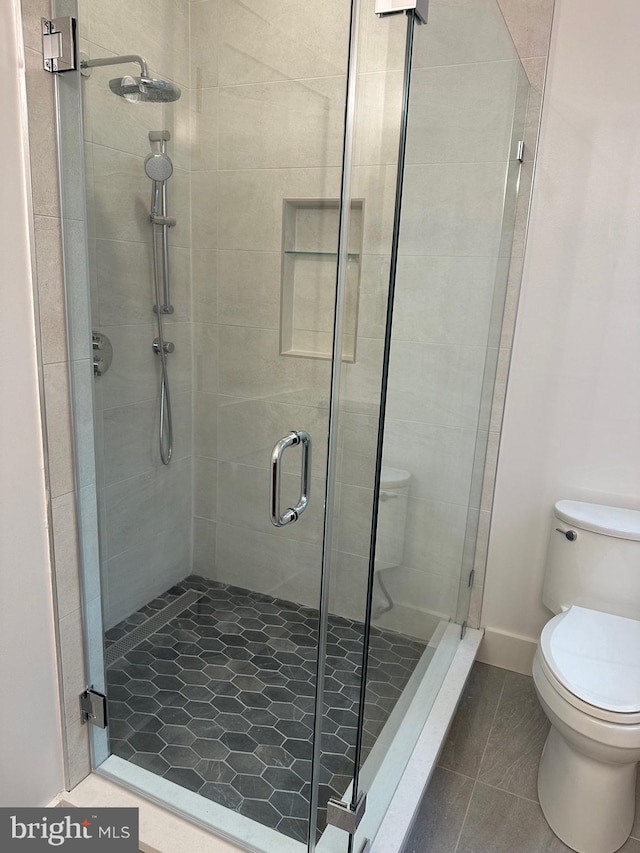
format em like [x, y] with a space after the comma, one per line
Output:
[30, 748]
[572, 417]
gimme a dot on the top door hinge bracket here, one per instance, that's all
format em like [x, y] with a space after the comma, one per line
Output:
[59, 51]
[392, 7]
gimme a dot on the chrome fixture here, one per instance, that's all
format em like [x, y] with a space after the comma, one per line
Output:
[571, 535]
[159, 168]
[391, 7]
[102, 353]
[279, 519]
[142, 89]
[59, 48]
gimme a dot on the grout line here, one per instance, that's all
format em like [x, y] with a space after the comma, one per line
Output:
[464, 819]
[510, 793]
[484, 751]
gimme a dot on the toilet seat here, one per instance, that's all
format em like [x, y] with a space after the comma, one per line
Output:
[593, 660]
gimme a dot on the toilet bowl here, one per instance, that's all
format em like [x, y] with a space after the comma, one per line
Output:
[586, 672]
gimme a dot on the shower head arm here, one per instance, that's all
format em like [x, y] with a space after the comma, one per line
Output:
[117, 60]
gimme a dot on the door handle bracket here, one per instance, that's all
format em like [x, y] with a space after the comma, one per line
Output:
[293, 439]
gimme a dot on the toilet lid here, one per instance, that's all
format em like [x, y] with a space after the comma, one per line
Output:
[596, 656]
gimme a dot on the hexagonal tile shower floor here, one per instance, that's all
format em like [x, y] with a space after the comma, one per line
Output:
[220, 699]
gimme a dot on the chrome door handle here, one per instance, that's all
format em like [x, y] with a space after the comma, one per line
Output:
[294, 438]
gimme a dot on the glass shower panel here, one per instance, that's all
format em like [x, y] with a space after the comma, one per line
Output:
[465, 117]
[372, 171]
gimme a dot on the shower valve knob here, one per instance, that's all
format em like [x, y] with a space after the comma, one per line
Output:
[102, 353]
[168, 347]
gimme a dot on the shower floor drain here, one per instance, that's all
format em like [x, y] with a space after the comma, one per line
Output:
[126, 644]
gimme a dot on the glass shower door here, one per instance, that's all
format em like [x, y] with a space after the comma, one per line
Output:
[207, 641]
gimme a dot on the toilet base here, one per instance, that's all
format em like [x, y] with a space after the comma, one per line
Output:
[588, 804]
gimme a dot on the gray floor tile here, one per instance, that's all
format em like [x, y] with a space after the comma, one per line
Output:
[223, 708]
[441, 814]
[469, 732]
[498, 822]
[517, 737]
[635, 832]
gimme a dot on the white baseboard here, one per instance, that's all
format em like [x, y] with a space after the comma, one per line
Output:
[507, 651]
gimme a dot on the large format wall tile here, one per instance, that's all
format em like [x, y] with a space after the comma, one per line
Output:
[131, 437]
[462, 32]
[450, 386]
[142, 507]
[260, 41]
[463, 210]
[205, 131]
[462, 113]
[48, 236]
[125, 283]
[249, 429]
[434, 536]
[246, 502]
[265, 562]
[204, 18]
[439, 459]
[443, 299]
[287, 124]
[252, 203]
[42, 136]
[249, 289]
[134, 374]
[159, 30]
[168, 554]
[377, 118]
[251, 366]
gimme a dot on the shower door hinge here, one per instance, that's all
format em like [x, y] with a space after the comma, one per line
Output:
[59, 44]
[392, 7]
[93, 708]
[520, 151]
[345, 817]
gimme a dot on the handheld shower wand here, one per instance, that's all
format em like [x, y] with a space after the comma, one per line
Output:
[159, 169]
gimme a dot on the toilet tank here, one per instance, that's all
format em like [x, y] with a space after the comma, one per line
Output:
[392, 517]
[600, 567]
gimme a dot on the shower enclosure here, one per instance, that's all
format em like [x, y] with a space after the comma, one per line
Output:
[279, 471]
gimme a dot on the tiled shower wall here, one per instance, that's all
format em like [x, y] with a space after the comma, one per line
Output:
[529, 22]
[268, 117]
[146, 507]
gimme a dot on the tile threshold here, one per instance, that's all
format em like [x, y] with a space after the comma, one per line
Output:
[161, 831]
[398, 819]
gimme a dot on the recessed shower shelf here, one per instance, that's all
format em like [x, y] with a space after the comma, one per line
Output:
[309, 239]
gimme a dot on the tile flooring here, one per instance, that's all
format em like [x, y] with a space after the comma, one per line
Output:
[482, 797]
[221, 698]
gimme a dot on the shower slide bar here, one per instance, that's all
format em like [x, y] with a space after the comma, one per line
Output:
[278, 518]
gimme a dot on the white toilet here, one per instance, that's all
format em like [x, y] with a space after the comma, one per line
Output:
[587, 675]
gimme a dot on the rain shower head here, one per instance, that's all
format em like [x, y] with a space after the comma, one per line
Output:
[144, 90]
